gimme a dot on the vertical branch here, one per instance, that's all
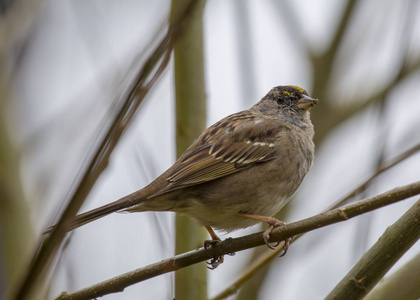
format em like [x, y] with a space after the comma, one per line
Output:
[322, 66]
[244, 52]
[190, 283]
[16, 235]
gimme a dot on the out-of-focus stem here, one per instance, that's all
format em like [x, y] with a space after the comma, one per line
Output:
[190, 283]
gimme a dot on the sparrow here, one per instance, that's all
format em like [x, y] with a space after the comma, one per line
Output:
[240, 171]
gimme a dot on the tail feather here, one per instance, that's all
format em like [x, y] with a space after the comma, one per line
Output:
[97, 213]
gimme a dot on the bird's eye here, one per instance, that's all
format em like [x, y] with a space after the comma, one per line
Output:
[280, 99]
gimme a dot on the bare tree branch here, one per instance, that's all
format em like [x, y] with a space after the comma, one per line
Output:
[374, 264]
[119, 283]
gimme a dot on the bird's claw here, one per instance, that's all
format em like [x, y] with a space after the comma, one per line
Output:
[286, 245]
[266, 237]
[215, 261]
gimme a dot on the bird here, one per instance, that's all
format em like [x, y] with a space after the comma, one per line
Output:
[239, 172]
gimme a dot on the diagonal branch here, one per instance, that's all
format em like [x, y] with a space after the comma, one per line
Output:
[406, 70]
[151, 71]
[382, 168]
[119, 283]
[374, 264]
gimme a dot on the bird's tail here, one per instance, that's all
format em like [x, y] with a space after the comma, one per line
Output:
[102, 211]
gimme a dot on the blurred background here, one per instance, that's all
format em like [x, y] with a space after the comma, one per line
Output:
[66, 64]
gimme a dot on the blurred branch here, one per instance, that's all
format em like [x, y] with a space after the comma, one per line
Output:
[16, 234]
[147, 77]
[374, 264]
[403, 284]
[323, 65]
[190, 283]
[117, 284]
[256, 265]
[290, 20]
[268, 255]
[331, 53]
[406, 69]
[382, 168]
[244, 48]
[16, 22]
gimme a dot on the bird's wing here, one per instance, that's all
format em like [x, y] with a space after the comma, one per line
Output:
[251, 141]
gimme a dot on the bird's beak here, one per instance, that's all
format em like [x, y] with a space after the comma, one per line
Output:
[306, 102]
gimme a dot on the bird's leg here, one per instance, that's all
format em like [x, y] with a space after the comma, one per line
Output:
[214, 238]
[215, 261]
[273, 223]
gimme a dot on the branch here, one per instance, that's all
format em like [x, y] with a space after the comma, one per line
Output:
[290, 21]
[379, 171]
[374, 264]
[148, 75]
[119, 283]
[256, 265]
[407, 69]
[323, 65]
[266, 257]
[190, 108]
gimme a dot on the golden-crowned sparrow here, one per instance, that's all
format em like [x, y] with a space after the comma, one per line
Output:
[242, 170]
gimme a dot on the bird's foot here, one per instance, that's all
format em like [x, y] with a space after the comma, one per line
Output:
[215, 261]
[274, 223]
[218, 260]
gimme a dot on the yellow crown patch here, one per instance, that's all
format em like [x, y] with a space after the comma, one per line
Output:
[298, 88]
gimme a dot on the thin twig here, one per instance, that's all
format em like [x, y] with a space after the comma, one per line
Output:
[119, 283]
[147, 77]
[379, 171]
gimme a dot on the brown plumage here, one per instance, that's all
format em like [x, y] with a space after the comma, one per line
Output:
[240, 171]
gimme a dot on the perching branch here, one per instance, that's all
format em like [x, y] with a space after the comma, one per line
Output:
[374, 264]
[119, 283]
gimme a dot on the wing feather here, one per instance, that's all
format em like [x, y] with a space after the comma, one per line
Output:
[233, 149]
